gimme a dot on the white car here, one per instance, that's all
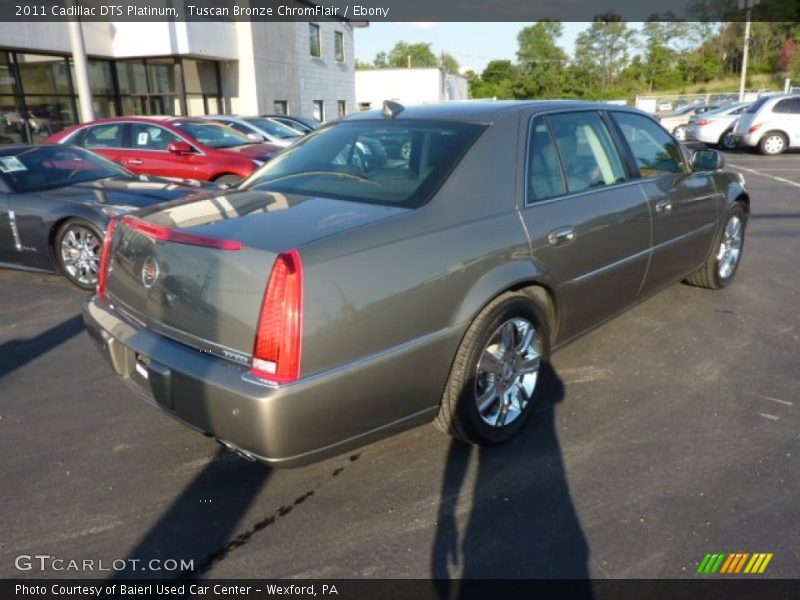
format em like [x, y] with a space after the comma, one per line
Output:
[259, 128]
[771, 124]
[715, 127]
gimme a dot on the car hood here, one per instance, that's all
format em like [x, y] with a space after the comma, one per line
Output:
[263, 151]
[271, 221]
[135, 192]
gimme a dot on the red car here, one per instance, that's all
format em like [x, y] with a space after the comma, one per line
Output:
[171, 147]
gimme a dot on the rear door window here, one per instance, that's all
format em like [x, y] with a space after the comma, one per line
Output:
[145, 136]
[545, 175]
[104, 136]
[789, 106]
[588, 154]
[656, 152]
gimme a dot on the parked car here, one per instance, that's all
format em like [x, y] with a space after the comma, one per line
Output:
[676, 121]
[771, 124]
[716, 126]
[339, 296]
[301, 124]
[183, 147]
[260, 129]
[55, 203]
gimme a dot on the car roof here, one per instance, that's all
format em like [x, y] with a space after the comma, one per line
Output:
[484, 110]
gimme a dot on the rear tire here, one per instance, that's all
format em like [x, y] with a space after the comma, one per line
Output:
[723, 261]
[773, 143]
[228, 180]
[727, 141]
[77, 248]
[498, 374]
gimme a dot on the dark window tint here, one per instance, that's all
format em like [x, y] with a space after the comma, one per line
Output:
[338, 42]
[395, 163]
[145, 136]
[789, 106]
[757, 104]
[545, 176]
[313, 39]
[104, 136]
[587, 151]
[656, 152]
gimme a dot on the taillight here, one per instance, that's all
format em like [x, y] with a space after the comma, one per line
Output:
[168, 234]
[754, 128]
[105, 259]
[276, 352]
[702, 122]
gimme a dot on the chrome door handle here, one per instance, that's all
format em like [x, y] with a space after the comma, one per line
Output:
[134, 161]
[663, 206]
[563, 235]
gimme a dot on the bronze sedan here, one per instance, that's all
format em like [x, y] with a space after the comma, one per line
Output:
[344, 293]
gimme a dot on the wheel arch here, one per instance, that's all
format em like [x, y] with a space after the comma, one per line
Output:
[57, 222]
[513, 277]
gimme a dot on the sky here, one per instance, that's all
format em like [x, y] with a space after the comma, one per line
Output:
[472, 44]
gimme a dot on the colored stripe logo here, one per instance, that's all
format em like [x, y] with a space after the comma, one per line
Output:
[725, 563]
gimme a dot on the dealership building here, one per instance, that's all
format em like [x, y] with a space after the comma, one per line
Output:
[171, 68]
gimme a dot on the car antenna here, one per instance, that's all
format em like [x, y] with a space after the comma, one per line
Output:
[391, 109]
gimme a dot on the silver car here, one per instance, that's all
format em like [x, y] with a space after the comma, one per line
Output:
[771, 124]
[259, 129]
[715, 127]
[343, 293]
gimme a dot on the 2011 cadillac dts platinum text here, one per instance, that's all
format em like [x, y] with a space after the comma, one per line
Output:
[345, 292]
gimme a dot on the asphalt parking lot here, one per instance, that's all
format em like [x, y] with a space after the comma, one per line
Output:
[672, 431]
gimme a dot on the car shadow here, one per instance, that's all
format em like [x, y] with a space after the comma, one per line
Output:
[196, 530]
[17, 353]
[521, 522]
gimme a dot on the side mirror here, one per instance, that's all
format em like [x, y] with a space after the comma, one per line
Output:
[707, 160]
[180, 148]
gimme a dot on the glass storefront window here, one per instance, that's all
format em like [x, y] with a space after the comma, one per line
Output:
[12, 125]
[8, 84]
[99, 77]
[200, 77]
[162, 74]
[48, 114]
[43, 74]
[132, 77]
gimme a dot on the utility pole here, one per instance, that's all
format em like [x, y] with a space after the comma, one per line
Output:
[747, 5]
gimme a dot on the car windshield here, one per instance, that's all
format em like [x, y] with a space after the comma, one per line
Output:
[213, 135]
[380, 162]
[40, 168]
[273, 128]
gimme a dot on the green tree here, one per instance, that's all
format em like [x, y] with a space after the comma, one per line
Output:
[541, 60]
[411, 55]
[381, 60]
[602, 51]
[449, 63]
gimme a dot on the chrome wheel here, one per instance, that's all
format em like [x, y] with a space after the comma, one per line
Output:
[80, 254]
[730, 247]
[774, 144]
[507, 372]
[680, 133]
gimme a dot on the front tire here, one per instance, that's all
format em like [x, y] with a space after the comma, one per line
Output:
[497, 376]
[723, 262]
[773, 143]
[77, 248]
[228, 180]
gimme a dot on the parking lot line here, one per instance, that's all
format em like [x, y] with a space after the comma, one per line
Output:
[775, 177]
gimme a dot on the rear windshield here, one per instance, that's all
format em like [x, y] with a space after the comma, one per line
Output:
[757, 104]
[398, 163]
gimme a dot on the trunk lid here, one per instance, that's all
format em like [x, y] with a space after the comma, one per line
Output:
[177, 282]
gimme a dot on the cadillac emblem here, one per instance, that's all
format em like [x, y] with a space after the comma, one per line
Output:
[150, 272]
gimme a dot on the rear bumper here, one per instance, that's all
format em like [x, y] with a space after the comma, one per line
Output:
[747, 140]
[290, 425]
